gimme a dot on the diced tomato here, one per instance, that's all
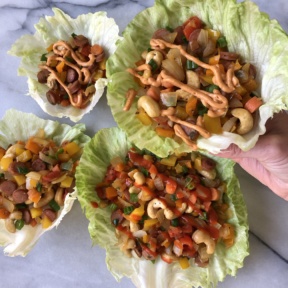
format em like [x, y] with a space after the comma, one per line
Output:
[86, 50]
[175, 232]
[207, 205]
[167, 258]
[148, 253]
[186, 241]
[187, 228]
[178, 247]
[51, 176]
[213, 231]
[170, 184]
[94, 204]
[138, 160]
[190, 25]
[212, 216]
[193, 197]
[125, 230]
[56, 168]
[153, 170]
[101, 192]
[204, 193]
[111, 174]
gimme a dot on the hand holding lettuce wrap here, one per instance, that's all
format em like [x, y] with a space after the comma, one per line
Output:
[109, 144]
[248, 32]
[267, 161]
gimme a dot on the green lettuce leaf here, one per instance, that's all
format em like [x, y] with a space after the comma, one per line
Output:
[97, 154]
[249, 32]
[15, 126]
[97, 27]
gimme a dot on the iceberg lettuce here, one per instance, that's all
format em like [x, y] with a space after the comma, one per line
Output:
[15, 126]
[97, 27]
[248, 31]
[113, 142]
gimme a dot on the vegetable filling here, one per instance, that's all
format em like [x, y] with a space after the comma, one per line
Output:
[70, 69]
[173, 208]
[35, 178]
[191, 85]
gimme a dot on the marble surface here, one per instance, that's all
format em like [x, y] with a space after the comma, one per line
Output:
[65, 257]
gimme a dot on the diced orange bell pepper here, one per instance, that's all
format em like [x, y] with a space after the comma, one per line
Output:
[34, 195]
[191, 105]
[163, 132]
[213, 125]
[111, 193]
[32, 146]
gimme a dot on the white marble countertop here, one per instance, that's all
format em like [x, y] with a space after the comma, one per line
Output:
[64, 257]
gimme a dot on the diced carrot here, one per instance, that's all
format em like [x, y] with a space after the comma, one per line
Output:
[111, 193]
[215, 194]
[119, 167]
[34, 195]
[4, 214]
[32, 146]
[253, 104]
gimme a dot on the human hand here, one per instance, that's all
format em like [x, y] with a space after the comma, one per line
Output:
[267, 161]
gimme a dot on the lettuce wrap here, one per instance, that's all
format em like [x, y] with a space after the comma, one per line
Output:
[97, 27]
[111, 143]
[15, 126]
[248, 31]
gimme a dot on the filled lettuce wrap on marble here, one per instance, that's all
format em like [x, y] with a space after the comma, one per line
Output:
[65, 61]
[38, 159]
[179, 221]
[198, 74]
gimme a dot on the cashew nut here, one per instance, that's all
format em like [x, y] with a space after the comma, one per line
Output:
[59, 196]
[211, 174]
[245, 118]
[150, 106]
[139, 178]
[134, 227]
[48, 196]
[182, 208]
[134, 189]
[169, 214]
[201, 236]
[156, 56]
[16, 215]
[10, 226]
[153, 207]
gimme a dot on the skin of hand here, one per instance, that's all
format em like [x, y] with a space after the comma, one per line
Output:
[267, 161]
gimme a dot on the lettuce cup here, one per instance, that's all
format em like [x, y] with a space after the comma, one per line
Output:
[65, 61]
[198, 75]
[179, 221]
[37, 183]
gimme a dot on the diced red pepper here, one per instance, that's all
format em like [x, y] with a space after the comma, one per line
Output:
[190, 25]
